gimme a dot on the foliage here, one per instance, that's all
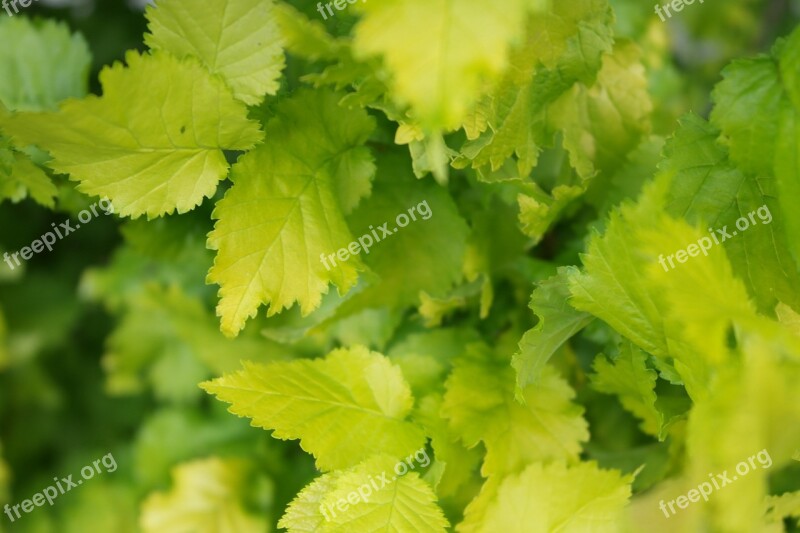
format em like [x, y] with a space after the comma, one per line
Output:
[522, 333]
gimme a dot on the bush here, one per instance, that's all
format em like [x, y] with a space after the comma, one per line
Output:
[481, 266]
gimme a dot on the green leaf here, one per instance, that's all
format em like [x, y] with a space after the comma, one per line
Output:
[633, 382]
[427, 36]
[789, 56]
[561, 48]
[538, 211]
[613, 286]
[41, 64]
[406, 504]
[757, 107]
[426, 255]
[458, 463]
[372, 327]
[152, 143]
[45, 66]
[558, 322]
[550, 498]
[434, 310]
[304, 37]
[431, 155]
[20, 178]
[788, 317]
[481, 406]
[169, 340]
[208, 497]
[343, 408]
[237, 39]
[172, 435]
[353, 171]
[747, 100]
[301, 181]
[604, 122]
[755, 402]
[627, 283]
[787, 173]
[426, 358]
[495, 243]
[708, 191]
[625, 183]
[304, 513]
[784, 506]
[698, 336]
[131, 269]
[787, 161]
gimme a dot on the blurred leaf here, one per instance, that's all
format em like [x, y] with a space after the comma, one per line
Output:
[170, 340]
[207, 497]
[555, 498]
[441, 98]
[41, 64]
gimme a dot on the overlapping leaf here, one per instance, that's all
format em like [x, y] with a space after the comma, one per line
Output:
[343, 408]
[45, 65]
[549, 426]
[20, 178]
[153, 143]
[630, 378]
[707, 190]
[558, 322]
[556, 498]
[426, 255]
[613, 286]
[758, 111]
[562, 47]
[405, 503]
[237, 39]
[285, 211]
